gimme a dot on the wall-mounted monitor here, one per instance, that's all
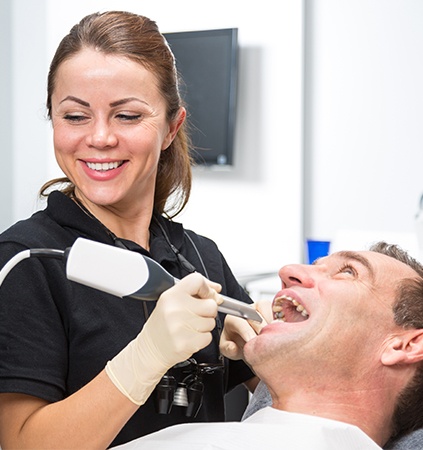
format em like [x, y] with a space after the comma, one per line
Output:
[207, 61]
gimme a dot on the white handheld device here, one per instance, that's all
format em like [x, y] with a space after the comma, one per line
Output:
[125, 273]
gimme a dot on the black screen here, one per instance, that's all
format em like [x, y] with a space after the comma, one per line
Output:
[208, 62]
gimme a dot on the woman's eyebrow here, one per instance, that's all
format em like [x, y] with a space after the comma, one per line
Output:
[112, 104]
[126, 100]
[75, 99]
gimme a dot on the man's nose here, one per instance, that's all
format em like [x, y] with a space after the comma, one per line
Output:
[297, 274]
[101, 135]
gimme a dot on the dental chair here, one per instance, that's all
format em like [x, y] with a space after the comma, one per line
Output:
[261, 398]
[411, 441]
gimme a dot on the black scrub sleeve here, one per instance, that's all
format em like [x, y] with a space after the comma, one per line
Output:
[33, 345]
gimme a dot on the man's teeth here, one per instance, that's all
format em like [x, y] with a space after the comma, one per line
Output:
[279, 316]
[278, 312]
[104, 166]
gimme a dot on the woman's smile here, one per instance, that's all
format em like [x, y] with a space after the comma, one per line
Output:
[103, 171]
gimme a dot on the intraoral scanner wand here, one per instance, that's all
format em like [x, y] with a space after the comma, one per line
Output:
[125, 273]
[119, 272]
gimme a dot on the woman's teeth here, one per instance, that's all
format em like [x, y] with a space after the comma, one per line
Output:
[278, 311]
[104, 166]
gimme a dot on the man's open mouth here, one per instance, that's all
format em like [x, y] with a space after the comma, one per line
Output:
[287, 309]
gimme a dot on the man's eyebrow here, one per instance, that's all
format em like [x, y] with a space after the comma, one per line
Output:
[359, 258]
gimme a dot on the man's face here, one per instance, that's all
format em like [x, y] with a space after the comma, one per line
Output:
[332, 318]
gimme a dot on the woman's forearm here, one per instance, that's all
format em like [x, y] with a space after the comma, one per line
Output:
[89, 419]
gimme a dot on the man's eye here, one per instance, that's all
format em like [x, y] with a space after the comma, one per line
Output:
[348, 269]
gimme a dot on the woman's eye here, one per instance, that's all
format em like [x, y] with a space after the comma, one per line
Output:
[74, 117]
[128, 117]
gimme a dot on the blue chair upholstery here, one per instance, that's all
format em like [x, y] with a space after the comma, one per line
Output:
[411, 441]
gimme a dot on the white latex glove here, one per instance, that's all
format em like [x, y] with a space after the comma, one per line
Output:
[179, 326]
[237, 332]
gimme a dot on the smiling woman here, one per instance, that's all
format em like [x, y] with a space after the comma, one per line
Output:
[85, 360]
[113, 134]
[126, 45]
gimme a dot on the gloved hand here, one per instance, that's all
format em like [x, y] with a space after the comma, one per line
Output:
[179, 326]
[237, 332]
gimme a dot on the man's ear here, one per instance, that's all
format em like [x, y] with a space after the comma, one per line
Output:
[174, 126]
[406, 348]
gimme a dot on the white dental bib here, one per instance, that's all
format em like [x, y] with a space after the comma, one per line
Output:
[268, 428]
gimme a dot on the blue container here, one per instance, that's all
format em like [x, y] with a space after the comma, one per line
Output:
[317, 249]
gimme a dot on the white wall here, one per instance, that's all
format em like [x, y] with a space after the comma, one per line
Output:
[28, 128]
[6, 142]
[253, 212]
[364, 117]
[362, 128]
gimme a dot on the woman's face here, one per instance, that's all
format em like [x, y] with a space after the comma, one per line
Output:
[110, 126]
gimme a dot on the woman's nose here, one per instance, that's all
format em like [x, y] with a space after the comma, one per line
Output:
[101, 136]
[297, 274]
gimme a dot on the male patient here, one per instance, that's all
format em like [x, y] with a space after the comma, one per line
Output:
[342, 359]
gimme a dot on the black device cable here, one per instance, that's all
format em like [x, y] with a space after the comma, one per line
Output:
[34, 252]
[190, 268]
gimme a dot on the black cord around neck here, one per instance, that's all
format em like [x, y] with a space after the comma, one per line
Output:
[109, 232]
[181, 258]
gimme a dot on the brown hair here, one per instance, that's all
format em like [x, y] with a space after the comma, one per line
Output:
[139, 39]
[408, 313]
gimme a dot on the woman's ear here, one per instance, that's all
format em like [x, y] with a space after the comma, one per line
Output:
[406, 348]
[174, 126]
